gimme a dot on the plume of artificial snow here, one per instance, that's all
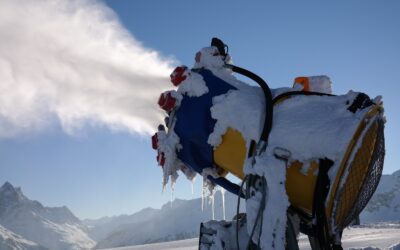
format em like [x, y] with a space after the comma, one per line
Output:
[72, 62]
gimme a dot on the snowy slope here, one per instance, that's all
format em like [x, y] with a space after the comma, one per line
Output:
[381, 236]
[177, 220]
[385, 204]
[12, 241]
[378, 236]
[54, 228]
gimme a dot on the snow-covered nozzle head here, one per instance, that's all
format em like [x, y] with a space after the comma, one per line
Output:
[210, 57]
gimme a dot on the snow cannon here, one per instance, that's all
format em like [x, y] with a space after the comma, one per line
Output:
[319, 155]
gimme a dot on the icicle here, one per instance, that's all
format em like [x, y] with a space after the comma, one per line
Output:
[202, 196]
[172, 195]
[211, 189]
[212, 206]
[202, 201]
[223, 202]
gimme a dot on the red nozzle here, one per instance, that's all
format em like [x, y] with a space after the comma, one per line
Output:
[161, 159]
[178, 75]
[154, 141]
[197, 58]
[167, 101]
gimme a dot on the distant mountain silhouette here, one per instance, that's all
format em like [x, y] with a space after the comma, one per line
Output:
[53, 228]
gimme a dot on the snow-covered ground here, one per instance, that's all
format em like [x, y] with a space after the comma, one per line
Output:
[381, 236]
[189, 244]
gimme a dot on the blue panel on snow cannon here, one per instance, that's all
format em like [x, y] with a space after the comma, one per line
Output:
[194, 123]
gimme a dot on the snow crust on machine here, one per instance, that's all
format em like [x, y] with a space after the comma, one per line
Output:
[168, 144]
[193, 85]
[320, 84]
[208, 58]
[242, 110]
[304, 126]
[272, 222]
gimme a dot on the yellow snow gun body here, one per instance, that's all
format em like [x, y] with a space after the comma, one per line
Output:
[332, 145]
[355, 180]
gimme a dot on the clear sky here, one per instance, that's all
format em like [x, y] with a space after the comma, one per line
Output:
[103, 171]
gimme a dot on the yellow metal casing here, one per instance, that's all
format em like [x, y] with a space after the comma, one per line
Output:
[300, 181]
[231, 153]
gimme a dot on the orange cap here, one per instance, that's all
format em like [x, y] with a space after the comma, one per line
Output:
[304, 81]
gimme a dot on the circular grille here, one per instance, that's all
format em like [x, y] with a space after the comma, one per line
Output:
[363, 178]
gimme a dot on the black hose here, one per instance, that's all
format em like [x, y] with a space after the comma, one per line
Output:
[268, 98]
[292, 93]
[237, 212]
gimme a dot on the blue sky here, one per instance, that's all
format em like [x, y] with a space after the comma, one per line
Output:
[107, 172]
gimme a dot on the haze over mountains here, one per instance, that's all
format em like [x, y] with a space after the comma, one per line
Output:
[177, 220]
[385, 204]
[10, 240]
[27, 224]
[29, 221]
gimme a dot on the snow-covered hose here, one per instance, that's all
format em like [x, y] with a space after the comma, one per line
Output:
[228, 185]
[292, 93]
[268, 99]
[231, 187]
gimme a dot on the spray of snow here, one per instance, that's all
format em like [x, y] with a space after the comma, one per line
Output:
[72, 62]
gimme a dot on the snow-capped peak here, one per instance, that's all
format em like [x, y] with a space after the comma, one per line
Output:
[12, 194]
[53, 228]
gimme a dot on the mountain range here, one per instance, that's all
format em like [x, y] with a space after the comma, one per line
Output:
[27, 221]
[10, 240]
[27, 224]
[385, 203]
[181, 219]
[176, 220]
